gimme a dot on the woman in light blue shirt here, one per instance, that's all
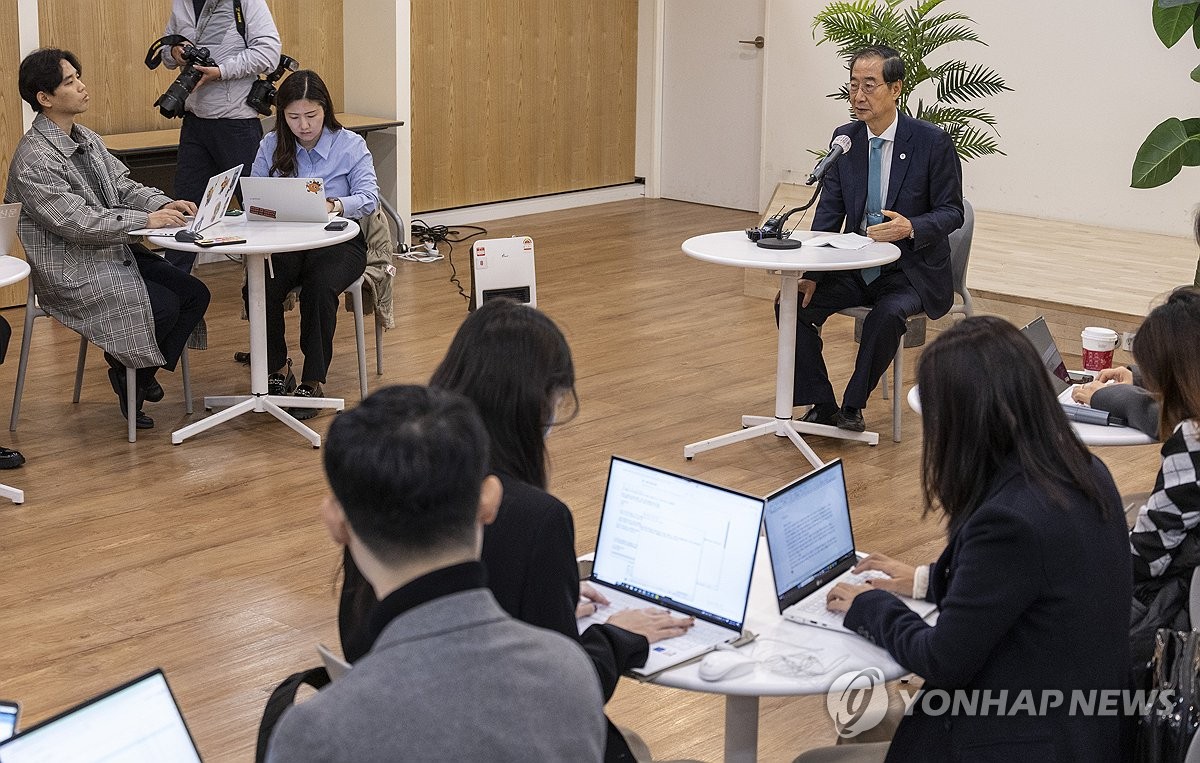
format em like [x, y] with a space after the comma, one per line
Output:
[308, 141]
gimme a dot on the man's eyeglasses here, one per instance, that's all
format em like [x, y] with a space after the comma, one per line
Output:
[867, 88]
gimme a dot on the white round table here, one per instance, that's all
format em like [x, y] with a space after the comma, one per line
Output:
[733, 248]
[1088, 434]
[262, 240]
[837, 652]
[12, 270]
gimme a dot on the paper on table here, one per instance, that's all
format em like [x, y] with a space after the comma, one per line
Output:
[838, 240]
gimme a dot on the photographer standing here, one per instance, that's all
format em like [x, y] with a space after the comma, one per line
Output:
[219, 129]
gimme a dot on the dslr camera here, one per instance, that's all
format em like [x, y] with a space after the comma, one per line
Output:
[170, 103]
[262, 93]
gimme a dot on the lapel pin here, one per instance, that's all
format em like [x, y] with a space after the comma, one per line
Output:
[903, 156]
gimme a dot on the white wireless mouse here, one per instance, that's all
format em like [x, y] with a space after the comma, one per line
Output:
[721, 665]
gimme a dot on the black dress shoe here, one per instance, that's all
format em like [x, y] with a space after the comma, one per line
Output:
[10, 459]
[306, 390]
[117, 380]
[850, 419]
[153, 391]
[821, 413]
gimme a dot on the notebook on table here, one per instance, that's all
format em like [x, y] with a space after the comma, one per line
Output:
[211, 209]
[298, 200]
[670, 541]
[138, 722]
[811, 545]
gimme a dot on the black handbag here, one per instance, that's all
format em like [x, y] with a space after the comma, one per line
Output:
[1166, 729]
[281, 699]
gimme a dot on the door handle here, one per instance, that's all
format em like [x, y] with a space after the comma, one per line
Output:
[757, 42]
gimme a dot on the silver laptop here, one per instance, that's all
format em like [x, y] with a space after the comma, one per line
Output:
[675, 542]
[10, 214]
[298, 200]
[138, 722]
[811, 545]
[211, 209]
[1038, 334]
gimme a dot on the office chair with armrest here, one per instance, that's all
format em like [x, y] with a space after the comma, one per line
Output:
[960, 255]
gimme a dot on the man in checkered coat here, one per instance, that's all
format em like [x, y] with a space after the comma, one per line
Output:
[78, 206]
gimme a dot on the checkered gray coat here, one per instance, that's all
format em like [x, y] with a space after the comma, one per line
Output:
[77, 205]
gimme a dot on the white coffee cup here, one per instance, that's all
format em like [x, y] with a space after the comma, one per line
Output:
[1098, 346]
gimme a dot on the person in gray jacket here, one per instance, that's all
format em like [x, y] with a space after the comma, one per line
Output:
[450, 676]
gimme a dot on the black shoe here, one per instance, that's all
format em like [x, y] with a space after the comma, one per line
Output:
[153, 391]
[279, 384]
[241, 357]
[305, 390]
[117, 380]
[850, 419]
[10, 459]
[821, 413]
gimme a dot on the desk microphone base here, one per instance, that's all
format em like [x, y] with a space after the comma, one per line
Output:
[272, 404]
[760, 426]
[779, 243]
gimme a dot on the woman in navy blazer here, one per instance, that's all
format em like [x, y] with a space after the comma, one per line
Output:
[1034, 585]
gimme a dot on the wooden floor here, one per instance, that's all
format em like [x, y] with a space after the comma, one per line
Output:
[208, 558]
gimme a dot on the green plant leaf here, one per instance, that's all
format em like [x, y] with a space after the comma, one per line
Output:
[1171, 24]
[1191, 150]
[958, 83]
[1162, 154]
[1173, 3]
[1196, 74]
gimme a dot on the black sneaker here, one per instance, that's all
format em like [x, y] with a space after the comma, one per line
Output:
[10, 459]
[278, 384]
[305, 390]
[821, 413]
[850, 419]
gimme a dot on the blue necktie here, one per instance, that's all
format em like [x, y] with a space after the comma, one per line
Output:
[874, 197]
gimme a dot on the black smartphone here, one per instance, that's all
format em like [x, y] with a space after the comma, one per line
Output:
[10, 713]
[337, 225]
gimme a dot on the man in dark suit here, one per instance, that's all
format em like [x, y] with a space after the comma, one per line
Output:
[901, 182]
[450, 675]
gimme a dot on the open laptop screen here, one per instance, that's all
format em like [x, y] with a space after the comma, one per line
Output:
[808, 533]
[1038, 334]
[138, 722]
[676, 540]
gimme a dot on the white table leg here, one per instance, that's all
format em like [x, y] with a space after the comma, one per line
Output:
[783, 425]
[258, 401]
[12, 494]
[741, 729]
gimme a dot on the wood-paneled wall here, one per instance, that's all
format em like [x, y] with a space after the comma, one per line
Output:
[112, 44]
[518, 98]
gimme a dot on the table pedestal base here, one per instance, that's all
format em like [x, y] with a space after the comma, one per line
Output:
[760, 426]
[741, 729]
[272, 404]
[12, 494]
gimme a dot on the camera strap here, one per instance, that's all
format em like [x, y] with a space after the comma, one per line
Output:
[239, 19]
[154, 52]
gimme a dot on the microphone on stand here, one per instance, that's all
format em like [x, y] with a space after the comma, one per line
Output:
[772, 234]
[840, 145]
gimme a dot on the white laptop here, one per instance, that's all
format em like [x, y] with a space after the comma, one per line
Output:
[812, 547]
[211, 209]
[298, 200]
[675, 542]
[10, 214]
[138, 722]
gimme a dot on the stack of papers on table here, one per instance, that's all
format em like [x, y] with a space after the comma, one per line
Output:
[838, 240]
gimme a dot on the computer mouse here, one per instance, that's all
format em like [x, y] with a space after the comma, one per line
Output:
[722, 665]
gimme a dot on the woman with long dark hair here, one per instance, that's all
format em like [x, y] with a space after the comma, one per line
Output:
[515, 365]
[308, 141]
[1034, 585]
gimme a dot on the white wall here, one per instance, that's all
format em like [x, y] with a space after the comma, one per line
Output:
[1090, 81]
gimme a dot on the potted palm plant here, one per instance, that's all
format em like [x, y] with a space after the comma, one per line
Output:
[916, 30]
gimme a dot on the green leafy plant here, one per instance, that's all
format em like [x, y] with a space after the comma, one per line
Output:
[916, 32]
[1175, 143]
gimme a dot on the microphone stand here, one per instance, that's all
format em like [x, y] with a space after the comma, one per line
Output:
[772, 234]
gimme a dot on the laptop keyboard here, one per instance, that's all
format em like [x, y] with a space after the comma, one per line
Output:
[814, 606]
[701, 635]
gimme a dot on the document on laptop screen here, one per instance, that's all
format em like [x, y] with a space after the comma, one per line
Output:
[809, 527]
[669, 537]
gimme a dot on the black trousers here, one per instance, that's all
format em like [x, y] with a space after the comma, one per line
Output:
[206, 147]
[322, 275]
[178, 302]
[892, 300]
